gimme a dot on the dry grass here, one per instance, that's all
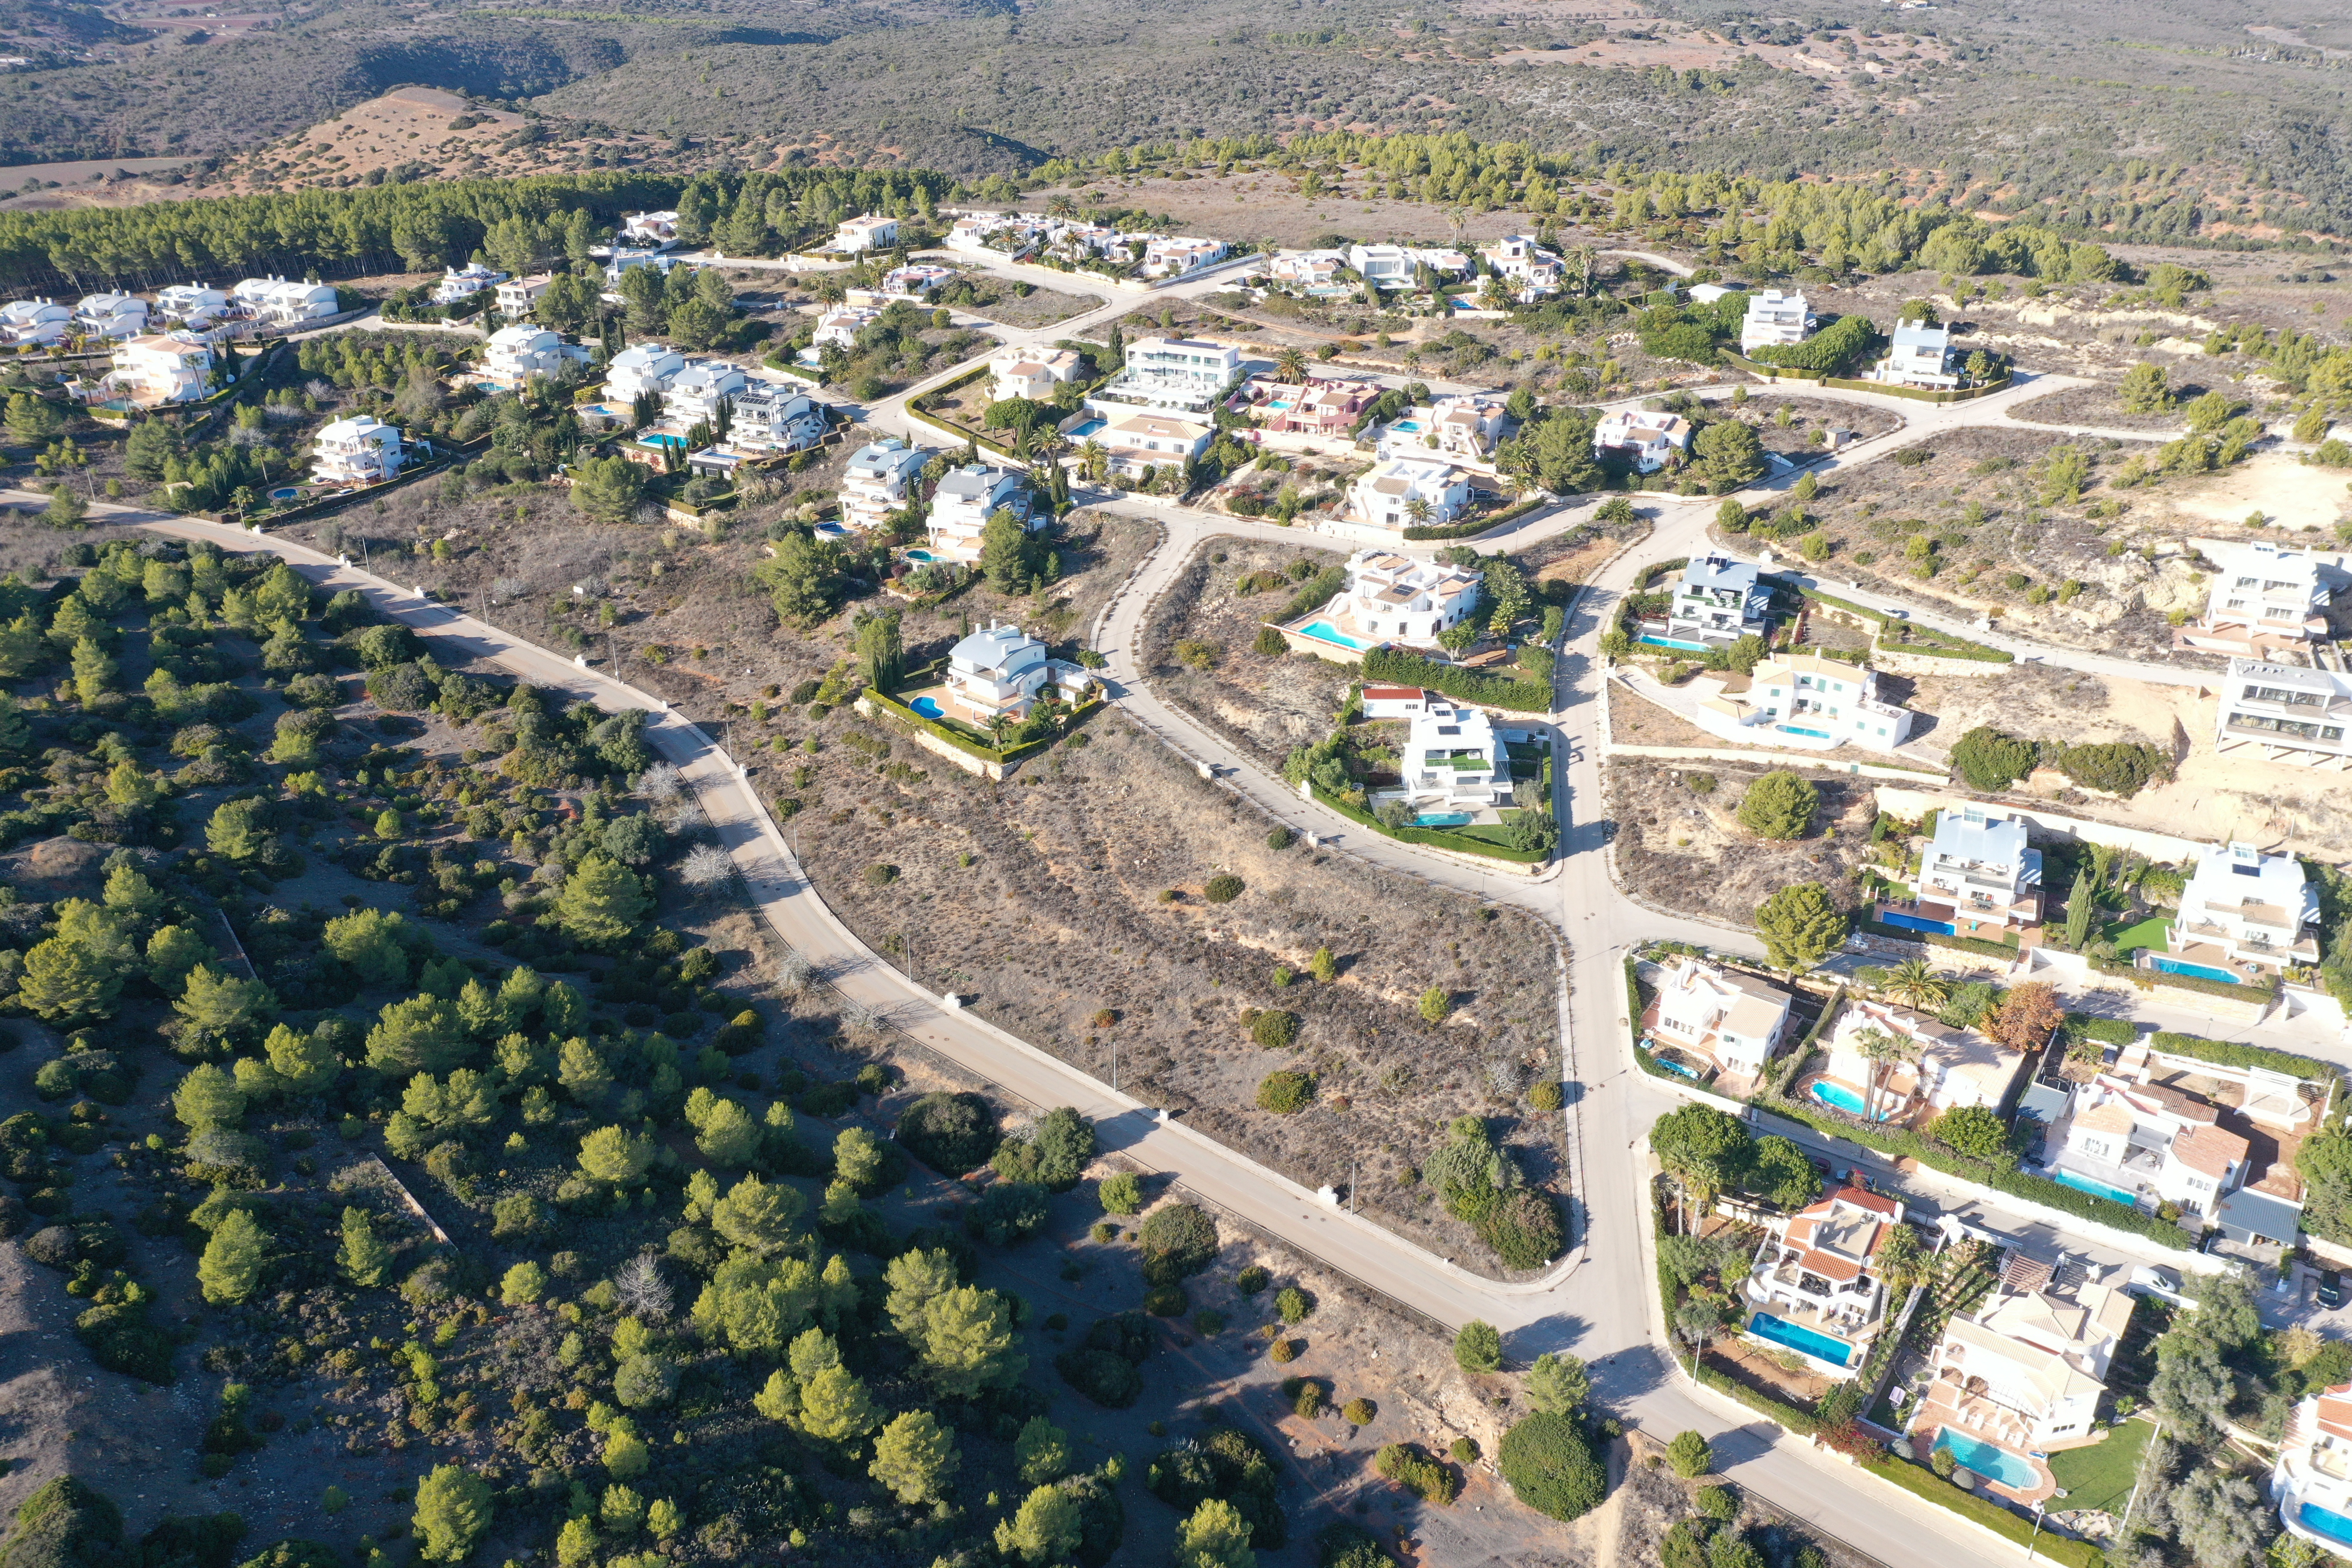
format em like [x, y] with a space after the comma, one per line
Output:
[1266, 705]
[1686, 853]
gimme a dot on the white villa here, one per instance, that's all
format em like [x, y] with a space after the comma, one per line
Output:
[1394, 598]
[697, 391]
[1143, 441]
[842, 325]
[112, 315]
[1916, 356]
[1309, 269]
[2026, 1370]
[2147, 1140]
[871, 232]
[2285, 714]
[1817, 1272]
[1452, 764]
[361, 450]
[651, 229]
[1801, 699]
[2312, 1478]
[622, 262]
[34, 321]
[1389, 493]
[1719, 1016]
[2248, 912]
[771, 419]
[1394, 266]
[1530, 269]
[966, 499]
[2268, 601]
[517, 353]
[1718, 600]
[1462, 430]
[464, 283]
[160, 368]
[182, 301]
[1774, 320]
[284, 303]
[1648, 441]
[1177, 254]
[1172, 376]
[1001, 672]
[882, 477]
[516, 296]
[1030, 372]
[1938, 1067]
[1978, 875]
[641, 368]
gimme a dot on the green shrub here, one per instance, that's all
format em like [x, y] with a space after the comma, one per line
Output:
[1551, 1466]
[1122, 1193]
[1292, 1305]
[1177, 1240]
[1252, 1279]
[1275, 1030]
[1167, 1301]
[1689, 1455]
[1103, 1368]
[1717, 1503]
[1286, 1093]
[951, 1134]
[1545, 1095]
[1225, 1463]
[1779, 806]
[1222, 888]
[1360, 1411]
[1991, 761]
[1410, 1467]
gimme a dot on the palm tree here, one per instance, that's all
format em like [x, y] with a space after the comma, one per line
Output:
[1418, 509]
[1881, 1050]
[1914, 984]
[1290, 364]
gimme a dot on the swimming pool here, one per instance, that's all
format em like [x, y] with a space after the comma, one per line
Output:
[1913, 922]
[923, 557]
[1408, 426]
[1993, 1464]
[661, 438]
[1842, 1098]
[285, 492]
[1801, 729]
[928, 706]
[1330, 633]
[1797, 1337]
[2201, 971]
[1080, 432]
[2325, 1522]
[1671, 1064]
[1442, 819]
[1671, 642]
[2096, 1189]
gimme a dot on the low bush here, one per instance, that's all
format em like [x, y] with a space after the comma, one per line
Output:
[1551, 1466]
[1177, 1240]
[1410, 1467]
[1228, 1464]
[1222, 888]
[951, 1134]
[1286, 1093]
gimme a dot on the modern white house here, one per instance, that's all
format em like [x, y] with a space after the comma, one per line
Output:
[1032, 373]
[1917, 355]
[1408, 493]
[516, 353]
[2285, 714]
[1978, 876]
[2312, 1478]
[1804, 701]
[1003, 672]
[841, 324]
[1155, 441]
[361, 450]
[869, 232]
[620, 263]
[1718, 600]
[1935, 1068]
[157, 368]
[1177, 254]
[1774, 320]
[1718, 1016]
[518, 296]
[182, 301]
[465, 282]
[1529, 270]
[698, 389]
[963, 502]
[2268, 601]
[2028, 1367]
[2245, 915]
[1170, 376]
[1462, 429]
[1454, 767]
[1398, 701]
[1649, 441]
[641, 368]
[1816, 1289]
[1395, 266]
[281, 302]
[2137, 1141]
[112, 315]
[882, 477]
[34, 321]
[1392, 598]
[653, 230]
[1309, 270]
[771, 419]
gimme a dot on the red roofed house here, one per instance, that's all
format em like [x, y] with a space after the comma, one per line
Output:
[2148, 1141]
[1815, 1288]
[1396, 702]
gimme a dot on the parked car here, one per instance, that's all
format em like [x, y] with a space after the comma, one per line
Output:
[2330, 1289]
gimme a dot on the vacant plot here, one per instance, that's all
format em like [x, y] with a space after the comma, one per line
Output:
[1202, 647]
[1684, 851]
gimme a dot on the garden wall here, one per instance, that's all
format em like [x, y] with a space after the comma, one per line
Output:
[1910, 804]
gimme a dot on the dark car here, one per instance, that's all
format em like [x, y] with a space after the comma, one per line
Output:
[2330, 1289]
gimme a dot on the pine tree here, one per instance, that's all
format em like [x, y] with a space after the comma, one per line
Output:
[454, 1508]
[914, 1457]
[834, 1405]
[231, 1265]
[364, 1256]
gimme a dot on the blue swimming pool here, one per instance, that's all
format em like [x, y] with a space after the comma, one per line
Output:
[1842, 1098]
[1407, 426]
[1797, 1337]
[2324, 1522]
[1091, 427]
[1913, 922]
[1442, 819]
[1671, 642]
[1801, 729]
[1330, 633]
[928, 706]
[661, 438]
[1993, 1464]
[285, 492]
[2199, 971]
[2096, 1189]
[923, 557]
[1672, 1065]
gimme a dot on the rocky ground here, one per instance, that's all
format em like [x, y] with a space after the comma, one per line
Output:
[1684, 852]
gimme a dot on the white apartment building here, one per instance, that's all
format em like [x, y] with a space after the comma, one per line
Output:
[1030, 372]
[1938, 1066]
[697, 391]
[361, 450]
[2134, 1141]
[465, 282]
[1719, 1016]
[34, 321]
[2285, 714]
[1395, 599]
[768, 418]
[158, 368]
[882, 477]
[1453, 765]
[641, 368]
[516, 353]
[183, 302]
[284, 303]
[966, 499]
[1774, 320]
[1172, 377]
[2245, 912]
[1978, 875]
[2267, 601]
[517, 295]
[1388, 493]
[869, 232]
[1818, 1271]
[1718, 600]
[2312, 1478]
[652, 230]
[1804, 701]
[1648, 440]
[1143, 441]
[1916, 356]
[2028, 1367]
[1001, 672]
[112, 315]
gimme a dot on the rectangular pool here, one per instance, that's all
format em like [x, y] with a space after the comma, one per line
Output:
[2324, 1522]
[1797, 1337]
[2096, 1189]
[1442, 819]
[1671, 642]
[2199, 971]
[1330, 633]
[1913, 922]
[1993, 1464]
[1801, 729]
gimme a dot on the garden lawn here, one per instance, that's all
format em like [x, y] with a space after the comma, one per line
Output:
[2101, 1476]
[2153, 931]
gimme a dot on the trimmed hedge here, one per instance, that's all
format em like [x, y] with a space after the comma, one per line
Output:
[1392, 667]
[1435, 837]
[1937, 939]
[2107, 1031]
[2231, 1054]
[1922, 1482]
[1476, 525]
[2266, 989]
[898, 710]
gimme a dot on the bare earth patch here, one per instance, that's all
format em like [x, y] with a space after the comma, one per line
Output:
[1686, 853]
